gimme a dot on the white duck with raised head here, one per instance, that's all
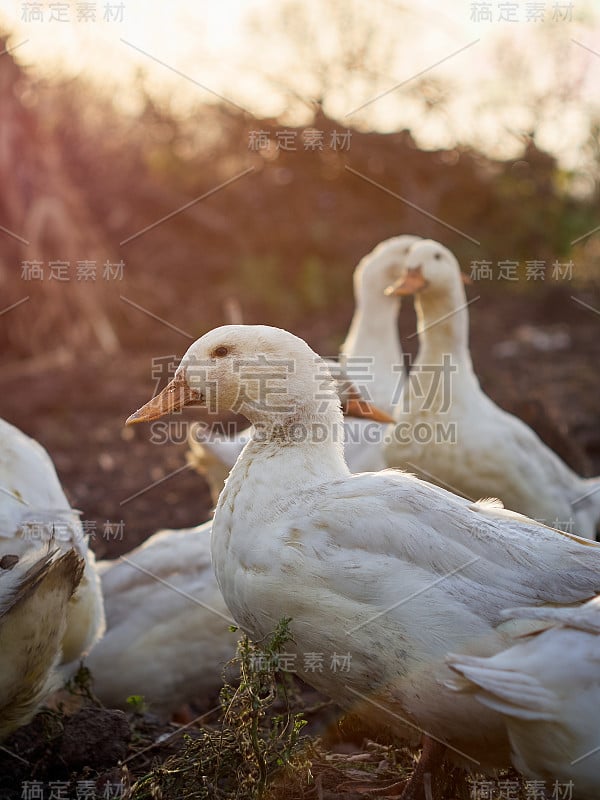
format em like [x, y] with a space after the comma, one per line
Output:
[373, 338]
[450, 432]
[382, 567]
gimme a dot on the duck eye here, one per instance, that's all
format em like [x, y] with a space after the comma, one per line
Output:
[437, 256]
[221, 351]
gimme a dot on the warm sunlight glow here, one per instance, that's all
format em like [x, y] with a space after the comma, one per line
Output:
[453, 64]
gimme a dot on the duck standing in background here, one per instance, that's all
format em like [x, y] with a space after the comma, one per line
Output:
[465, 442]
[373, 333]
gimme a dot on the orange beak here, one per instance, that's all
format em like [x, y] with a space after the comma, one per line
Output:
[178, 394]
[411, 283]
[466, 279]
[174, 396]
[355, 407]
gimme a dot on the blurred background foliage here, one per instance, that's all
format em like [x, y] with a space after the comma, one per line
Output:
[278, 245]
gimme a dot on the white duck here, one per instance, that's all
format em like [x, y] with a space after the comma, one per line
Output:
[34, 509]
[167, 635]
[370, 357]
[383, 567]
[547, 688]
[373, 334]
[35, 592]
[451, 433]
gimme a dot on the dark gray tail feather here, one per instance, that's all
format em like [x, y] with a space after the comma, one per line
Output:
[66, 568]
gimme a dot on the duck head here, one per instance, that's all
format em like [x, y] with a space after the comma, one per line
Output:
[428, 267]
[254, 370]
[381, 267]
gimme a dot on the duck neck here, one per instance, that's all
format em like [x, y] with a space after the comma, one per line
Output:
[373, 334]
[312, 435]
[443, 328]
